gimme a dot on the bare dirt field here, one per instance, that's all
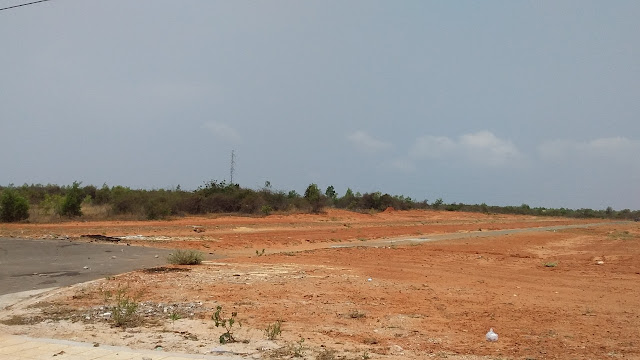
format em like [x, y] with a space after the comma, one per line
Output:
[565, 294]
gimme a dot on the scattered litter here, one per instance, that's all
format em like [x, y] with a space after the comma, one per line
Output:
[106, 314]
[369, 279]
[113, 256]
[491, 336]
[599, 262]
[85, 267]
[157, 256]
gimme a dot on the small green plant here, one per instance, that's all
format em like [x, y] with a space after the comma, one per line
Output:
[174, 316]
[259, 253]
[366, 356]
[273, 330]
[299, 348]
[185, 257]
[123, 313]
[227, 324]
[550, 264]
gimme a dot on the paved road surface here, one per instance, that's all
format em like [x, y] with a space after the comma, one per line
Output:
[38, 264]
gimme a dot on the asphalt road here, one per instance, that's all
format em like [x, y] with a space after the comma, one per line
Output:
[39, 264]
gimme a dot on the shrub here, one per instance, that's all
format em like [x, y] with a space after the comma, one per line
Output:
[273, 330]
[185, 257]
[72, 203]
[13, 207]
[227, 324]
[314, 198]
[51, 204]
[123, 313]
[266, 210]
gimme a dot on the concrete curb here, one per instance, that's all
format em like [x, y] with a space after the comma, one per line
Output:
[14, 347]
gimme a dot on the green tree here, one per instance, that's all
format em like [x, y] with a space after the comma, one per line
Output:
[13, 207]
[314, 198]
[51, 204]
[331, 193]
[436, 204]
[103, 195]
[72, 203]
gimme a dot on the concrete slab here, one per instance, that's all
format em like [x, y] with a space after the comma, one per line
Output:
[15, 347]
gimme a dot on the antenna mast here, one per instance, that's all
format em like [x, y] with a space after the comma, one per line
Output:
[233, 165]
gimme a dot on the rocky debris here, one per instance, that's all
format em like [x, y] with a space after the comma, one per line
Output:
[101, 237]
[198, 229]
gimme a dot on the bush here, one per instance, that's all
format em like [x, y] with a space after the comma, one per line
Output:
[72, 203]
[185, 257]
[314, 198]
[13, 207]
[51, 204]
[123, 313]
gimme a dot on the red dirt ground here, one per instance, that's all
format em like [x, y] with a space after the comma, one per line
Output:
[567, 294]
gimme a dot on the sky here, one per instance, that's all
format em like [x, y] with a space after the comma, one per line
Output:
[496, 102]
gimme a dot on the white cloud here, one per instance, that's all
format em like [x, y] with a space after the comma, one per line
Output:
[432, 147]
[404, 165]
[223, 131]
[365, 143]
[568, 150]
[481, 148]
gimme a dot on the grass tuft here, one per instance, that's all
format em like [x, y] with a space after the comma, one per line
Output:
[185, 257]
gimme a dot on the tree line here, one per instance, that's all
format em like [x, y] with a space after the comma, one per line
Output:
[17, 203]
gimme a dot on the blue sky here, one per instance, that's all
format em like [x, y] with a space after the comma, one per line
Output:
[501, 102]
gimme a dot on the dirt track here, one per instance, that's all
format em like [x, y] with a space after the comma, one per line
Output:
[569, 294]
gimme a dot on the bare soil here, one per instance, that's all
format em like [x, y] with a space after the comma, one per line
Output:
[567, 294]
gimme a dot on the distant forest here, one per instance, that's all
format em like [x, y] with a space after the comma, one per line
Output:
[41, 203]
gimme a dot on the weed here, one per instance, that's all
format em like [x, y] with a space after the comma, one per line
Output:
[227, 324]
[123, 313]
[299, 348]
[355, 314]
[326, 354]
[173, 317]
[273, 330]
[258, 253]
[366, 356]
[185, 257]
[621, 235]
[550, 264]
